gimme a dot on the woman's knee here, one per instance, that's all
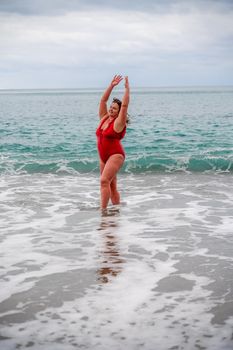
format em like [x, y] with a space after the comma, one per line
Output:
[104, 181]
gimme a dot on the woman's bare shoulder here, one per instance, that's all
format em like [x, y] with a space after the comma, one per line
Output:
[103, 116]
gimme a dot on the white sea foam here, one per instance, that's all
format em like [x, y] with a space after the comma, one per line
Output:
[155, 273]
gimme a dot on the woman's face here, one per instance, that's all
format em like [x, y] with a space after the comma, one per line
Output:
[113, 110]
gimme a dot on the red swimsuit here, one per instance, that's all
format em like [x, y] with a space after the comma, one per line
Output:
[108, 141]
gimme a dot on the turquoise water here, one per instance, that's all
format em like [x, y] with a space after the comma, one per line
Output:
[171, 129]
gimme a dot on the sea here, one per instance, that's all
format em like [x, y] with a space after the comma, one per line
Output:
[153, 273]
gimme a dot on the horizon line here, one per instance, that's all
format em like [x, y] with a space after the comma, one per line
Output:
[119, 88]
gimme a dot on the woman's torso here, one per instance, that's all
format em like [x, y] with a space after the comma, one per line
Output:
[108, 140]
[107, 129]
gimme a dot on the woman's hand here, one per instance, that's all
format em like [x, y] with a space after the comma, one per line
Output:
[116, 80]
[126, 82]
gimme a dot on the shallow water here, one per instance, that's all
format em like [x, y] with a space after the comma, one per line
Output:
[153, 273]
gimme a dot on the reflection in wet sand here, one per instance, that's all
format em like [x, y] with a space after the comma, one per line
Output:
[112, 261]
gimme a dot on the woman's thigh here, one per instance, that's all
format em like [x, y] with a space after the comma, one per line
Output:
[102, 165]
[114, 180]
[112, 166]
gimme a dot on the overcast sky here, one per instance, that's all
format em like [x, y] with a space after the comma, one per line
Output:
[83, 43]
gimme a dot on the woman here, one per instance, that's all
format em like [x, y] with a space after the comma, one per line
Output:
[111, 130]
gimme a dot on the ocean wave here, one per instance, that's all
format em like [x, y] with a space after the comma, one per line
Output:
[187, 164]
[133, 164]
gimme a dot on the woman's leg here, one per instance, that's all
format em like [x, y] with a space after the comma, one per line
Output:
[102, 165]
[112, 166]
[115, 195]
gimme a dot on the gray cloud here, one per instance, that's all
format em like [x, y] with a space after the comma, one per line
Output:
[66, 43]
[58, 7]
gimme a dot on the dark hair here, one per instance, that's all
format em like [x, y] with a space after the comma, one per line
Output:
[116, 100]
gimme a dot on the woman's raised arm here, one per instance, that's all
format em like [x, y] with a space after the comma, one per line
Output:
[122, 117]
[103, 101]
